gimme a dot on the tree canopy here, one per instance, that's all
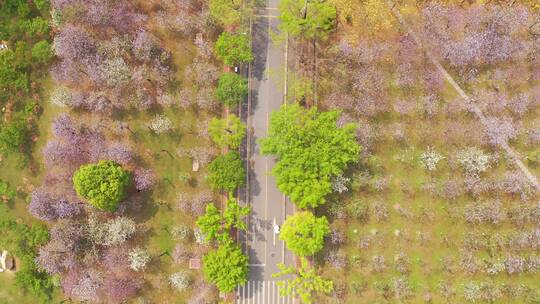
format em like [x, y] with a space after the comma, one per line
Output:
[216, 225]
[303, 282]
[103, 184]
[311, 149]
[227, 12]
[23, 241]
[304, 233]
[307, 18]
[227, 132]
[233, 48]
[226, 267]
[231, 89]
[226, 172]
[13, 134]
[41, 51]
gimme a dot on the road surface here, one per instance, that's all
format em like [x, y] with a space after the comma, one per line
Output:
[268, 205]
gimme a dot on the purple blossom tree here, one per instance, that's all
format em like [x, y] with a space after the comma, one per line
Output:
[500, 130]
[88, 285]
[65, 209]
[144, 179]
[119, 289]
[41, 205]
[55, 258]
[73, 43]
[143, 45]
[70, 234]
[120, 153]
[63, 126]
[116, 258]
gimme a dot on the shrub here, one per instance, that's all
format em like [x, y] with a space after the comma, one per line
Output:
[231, 89]
[103, 184]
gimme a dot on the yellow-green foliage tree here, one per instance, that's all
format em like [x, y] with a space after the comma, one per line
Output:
[307, 18]
[304, 233]
[103, 184]
[311, 150]
[302, 282]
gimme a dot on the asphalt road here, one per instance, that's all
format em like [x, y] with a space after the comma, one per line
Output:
[267, 94]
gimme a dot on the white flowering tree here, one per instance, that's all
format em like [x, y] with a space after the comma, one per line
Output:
[474, 160]
[430, 158]
[119, 230]
[179, 280]
[340, 183]
[160, 124]
[138, 258]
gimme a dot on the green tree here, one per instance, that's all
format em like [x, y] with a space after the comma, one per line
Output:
[42, 5]
[226, 267]
[227, 132]
[216, 225]
[226, 172]
[231, 89]
[12, 76]
[210, 223]
[13, 134]
[22, 241]
[303, 282]
[6, 192]
[103, 184]
[233, 48]
[36, 26]
[304, 233]
[307, 18]
[227, 12]
[311, 150]
[41, 51]
[234, 215]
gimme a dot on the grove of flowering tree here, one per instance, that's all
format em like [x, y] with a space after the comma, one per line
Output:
[106, 47]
